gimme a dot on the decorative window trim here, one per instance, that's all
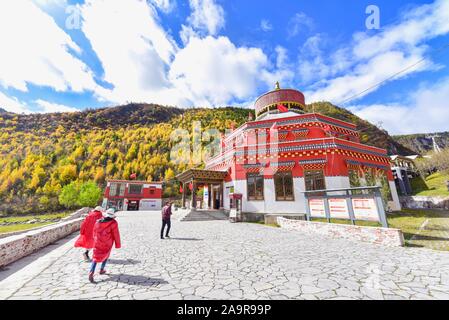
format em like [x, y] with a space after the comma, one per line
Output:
[254, 167]
[300, 133]
[323, 174]
[255, 186]
[283, 166]
[283, 186]
[354, 163]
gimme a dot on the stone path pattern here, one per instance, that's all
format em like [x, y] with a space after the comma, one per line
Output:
[221, 260]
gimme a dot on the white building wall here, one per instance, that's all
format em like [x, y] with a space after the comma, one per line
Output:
[296, 206]
[150, 204]
[226, 200]
[337, 182]
[269, 204]
[248, 206]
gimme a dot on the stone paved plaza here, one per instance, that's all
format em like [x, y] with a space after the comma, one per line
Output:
[220, 260]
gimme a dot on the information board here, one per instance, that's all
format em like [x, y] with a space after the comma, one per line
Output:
[365, 209]
[317, 209]
[338, 208]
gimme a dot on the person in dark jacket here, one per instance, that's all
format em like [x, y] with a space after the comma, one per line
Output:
[106, 234]
[166, 219]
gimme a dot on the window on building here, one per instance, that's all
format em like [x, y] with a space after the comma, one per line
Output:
[283, 183]
[314, 180]
[113, 189]
[255, 186]
[117, 189]
[121, 191]
[135, 189]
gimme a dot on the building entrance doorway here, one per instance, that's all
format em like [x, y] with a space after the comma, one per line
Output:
[133, 205]
[216, 197]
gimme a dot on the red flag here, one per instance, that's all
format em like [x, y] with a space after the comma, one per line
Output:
[282, 108]
[190, 186]
[181, 190]
[133, 176]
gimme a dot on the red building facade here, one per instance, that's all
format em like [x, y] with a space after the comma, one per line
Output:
[271, 161]
[133, 195]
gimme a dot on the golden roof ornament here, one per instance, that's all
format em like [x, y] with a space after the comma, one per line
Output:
[277, 87]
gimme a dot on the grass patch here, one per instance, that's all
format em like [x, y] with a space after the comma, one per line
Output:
[435, 234]
[21, 227]
[344, 221]
[20, 223]
[24, 219]
[433, 185]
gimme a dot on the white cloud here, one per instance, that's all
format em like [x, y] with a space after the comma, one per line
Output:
[365, 75]
[165, 6]
[143, 63]
[283, 71]
[206, 16]
[49, 107]
[12, 104]
[369, 60]
[266, 25]
[214, 71]
[35, 50]
[46, 3]
[426, 111]
[186, 33]
[133, 48]
[422, 23]
[311, 63]
[300, 22]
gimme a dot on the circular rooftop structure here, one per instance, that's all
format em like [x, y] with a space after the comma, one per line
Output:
[268, 103]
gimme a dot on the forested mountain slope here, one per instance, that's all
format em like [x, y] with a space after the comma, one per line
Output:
[41, 153]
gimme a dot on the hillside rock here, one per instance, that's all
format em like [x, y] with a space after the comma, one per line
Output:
[422, 143]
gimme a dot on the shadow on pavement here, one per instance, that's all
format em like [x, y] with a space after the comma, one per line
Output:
[16, 266]
[185, 239]
[135, 280]
[123, 261]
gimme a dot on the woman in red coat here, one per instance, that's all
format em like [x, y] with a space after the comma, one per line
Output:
[105, 235]
[86, 238]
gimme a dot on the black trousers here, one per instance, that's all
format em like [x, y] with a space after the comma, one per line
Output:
[165, 222]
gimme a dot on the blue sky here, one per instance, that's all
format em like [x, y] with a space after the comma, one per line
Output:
[64, 55]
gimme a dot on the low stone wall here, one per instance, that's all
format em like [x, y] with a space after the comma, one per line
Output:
[383, 236]
[422, 202]
[272, 218]
[15, 247]
[253, 217]
[78, 214]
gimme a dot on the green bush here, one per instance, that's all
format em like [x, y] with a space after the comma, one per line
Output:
[69, 195]
[80, 195]
[89, 194]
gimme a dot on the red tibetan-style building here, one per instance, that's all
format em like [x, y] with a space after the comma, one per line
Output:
[272, 160]
[132, 195]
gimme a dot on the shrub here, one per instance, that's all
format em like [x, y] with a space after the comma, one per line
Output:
[89, 194]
